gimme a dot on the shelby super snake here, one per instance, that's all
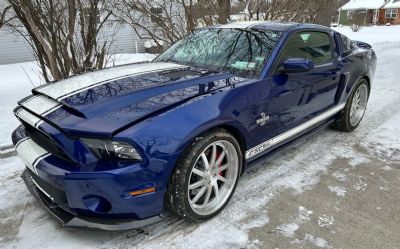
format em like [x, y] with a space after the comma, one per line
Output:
[114, 149]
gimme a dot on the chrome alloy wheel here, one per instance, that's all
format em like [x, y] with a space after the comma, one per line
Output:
[358, 104]
[213, 177]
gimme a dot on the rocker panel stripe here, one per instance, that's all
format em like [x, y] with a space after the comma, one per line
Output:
[292, 132]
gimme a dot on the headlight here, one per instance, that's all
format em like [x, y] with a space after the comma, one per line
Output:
[106, 149]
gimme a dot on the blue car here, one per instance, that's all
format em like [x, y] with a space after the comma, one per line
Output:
[114, 149]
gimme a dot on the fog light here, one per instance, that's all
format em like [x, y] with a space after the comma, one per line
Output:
[96, 203]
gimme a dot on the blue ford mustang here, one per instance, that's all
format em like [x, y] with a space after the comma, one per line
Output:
[113, 149]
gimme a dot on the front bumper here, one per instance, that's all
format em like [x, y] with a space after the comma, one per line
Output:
[72, 220]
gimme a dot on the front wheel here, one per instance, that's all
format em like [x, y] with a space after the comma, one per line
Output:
[206, 176]
[352, 114]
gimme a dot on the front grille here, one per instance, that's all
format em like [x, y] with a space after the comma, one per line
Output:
[45, 141]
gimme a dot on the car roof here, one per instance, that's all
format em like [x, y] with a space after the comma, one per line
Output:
[269, 25]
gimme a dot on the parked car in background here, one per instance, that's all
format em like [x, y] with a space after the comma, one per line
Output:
[113, 149]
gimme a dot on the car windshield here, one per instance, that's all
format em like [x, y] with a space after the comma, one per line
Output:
[241, 52]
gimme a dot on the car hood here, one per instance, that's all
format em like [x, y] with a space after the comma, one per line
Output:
[107, 101]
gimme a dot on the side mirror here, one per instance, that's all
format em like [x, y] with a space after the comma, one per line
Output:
[361, 44]
[297, 65]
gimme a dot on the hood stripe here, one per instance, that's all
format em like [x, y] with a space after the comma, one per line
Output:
[43, 105]
[28, 118]
[40, 104]
[31, 153]
[74, 85]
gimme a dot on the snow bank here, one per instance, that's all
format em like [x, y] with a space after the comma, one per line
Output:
[373, 35]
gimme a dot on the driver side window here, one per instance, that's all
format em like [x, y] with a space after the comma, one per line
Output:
[315, 46]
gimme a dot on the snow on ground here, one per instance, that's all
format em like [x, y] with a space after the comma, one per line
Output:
[17, 80]
[373, 35]
[24, 224]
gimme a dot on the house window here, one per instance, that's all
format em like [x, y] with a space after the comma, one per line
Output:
[391, 13]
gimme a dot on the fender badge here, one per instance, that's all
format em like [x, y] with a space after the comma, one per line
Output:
[264, 118]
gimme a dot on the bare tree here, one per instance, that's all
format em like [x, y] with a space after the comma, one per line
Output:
[167, 21]
[64, 34]
[315, 11]
[164, 21]
[6, 15]
[224, 11]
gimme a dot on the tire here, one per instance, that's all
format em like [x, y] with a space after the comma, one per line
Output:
[348, 119]
[181, 199]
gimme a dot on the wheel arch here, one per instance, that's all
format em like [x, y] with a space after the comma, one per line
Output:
[228, 127]
[364, 77]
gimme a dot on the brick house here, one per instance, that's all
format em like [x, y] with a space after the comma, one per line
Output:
[390, 13]
[370, 12]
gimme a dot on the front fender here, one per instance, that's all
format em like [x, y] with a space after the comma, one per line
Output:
[162, 138]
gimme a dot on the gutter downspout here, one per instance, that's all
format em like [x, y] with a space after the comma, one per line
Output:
[340, 12]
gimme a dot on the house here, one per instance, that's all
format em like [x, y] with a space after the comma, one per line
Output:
[361, 12]
[14, 47]
[390, 13]
[370, 12]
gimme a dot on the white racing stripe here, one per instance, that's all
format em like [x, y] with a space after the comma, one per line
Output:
[240, 25]
[31, 153]
[74, 85]
[41, 105]
[29, 118]
[292, 132]
[45, 104]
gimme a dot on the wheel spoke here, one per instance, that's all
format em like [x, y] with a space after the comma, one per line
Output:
[221, 157]
[216, 189]
[198, 172]
[222, 179]
[196, 185]
[223, 168]
[213, 155]
[207, 198]
[199, 195]
[205, 161]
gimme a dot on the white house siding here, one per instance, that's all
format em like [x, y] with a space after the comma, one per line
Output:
[13, 48]
[125, 40]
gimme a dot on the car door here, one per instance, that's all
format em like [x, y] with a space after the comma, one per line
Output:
[300, 96]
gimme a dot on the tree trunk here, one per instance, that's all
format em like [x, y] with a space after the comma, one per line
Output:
[224, 11]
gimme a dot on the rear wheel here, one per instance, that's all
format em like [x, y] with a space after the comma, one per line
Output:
[352, 114]
[205, 177]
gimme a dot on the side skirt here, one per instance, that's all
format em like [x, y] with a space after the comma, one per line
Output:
[292, 133]
[289, 145]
